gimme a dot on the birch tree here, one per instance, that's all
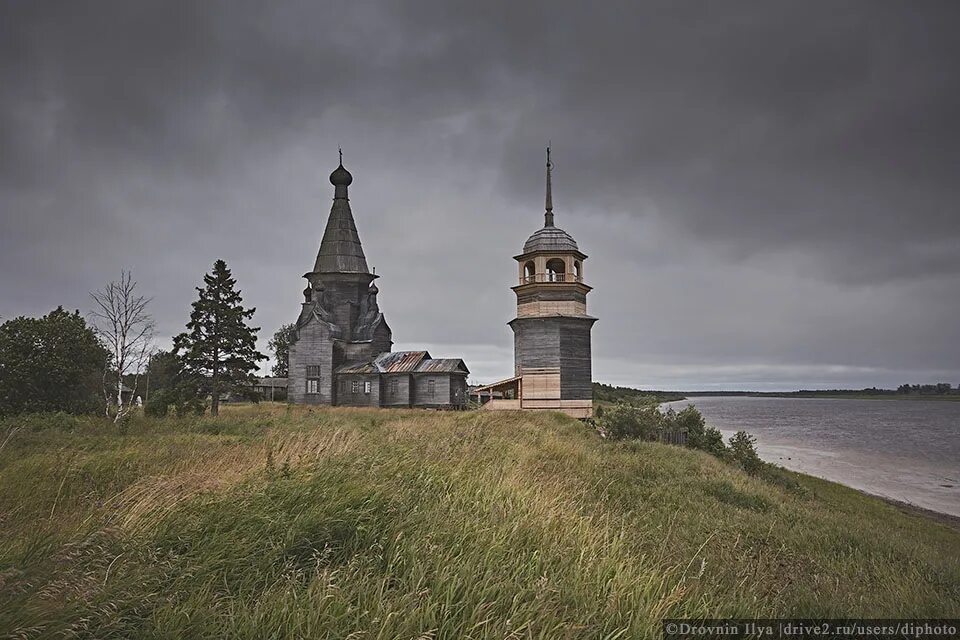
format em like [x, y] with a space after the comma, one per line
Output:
[125, 327]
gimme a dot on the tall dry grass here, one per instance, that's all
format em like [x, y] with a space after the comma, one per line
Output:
[283, 522]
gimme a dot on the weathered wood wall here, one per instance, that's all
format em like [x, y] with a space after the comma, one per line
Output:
[347, 397]
[575, 359]
[555, 343]
[422, 397]
[402, 396]
[313, 348]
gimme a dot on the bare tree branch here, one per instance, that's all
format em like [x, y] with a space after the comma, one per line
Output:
[121, 320]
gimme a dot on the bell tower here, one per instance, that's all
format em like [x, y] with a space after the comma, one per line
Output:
[552, 356]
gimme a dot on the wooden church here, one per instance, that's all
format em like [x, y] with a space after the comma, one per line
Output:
[341, 351]
[551, 333]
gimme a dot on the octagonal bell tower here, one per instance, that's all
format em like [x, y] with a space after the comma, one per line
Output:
[552, 356]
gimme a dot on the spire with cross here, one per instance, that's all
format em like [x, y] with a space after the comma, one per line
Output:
[548, 216]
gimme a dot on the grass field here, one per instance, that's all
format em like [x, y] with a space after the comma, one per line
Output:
[279, 522]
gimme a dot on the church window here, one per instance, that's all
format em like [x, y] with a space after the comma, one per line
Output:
[366, 387]
[529, 272]
[394, 386]
[576, 270]
[355, 386]
[431, 387]
[313, 379]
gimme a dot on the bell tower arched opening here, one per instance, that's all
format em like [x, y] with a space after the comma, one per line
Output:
[529, 272]
[556, 270]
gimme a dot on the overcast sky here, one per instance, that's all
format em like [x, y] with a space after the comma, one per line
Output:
[768, 191]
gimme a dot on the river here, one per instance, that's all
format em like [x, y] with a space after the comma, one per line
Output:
[908, 450]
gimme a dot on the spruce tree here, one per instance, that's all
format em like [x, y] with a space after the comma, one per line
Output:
[218, 350]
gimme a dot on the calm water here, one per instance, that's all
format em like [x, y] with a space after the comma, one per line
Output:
[903, 449]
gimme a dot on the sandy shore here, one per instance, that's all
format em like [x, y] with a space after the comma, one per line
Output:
[907, 484]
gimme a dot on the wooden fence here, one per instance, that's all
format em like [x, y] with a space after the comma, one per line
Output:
[674, 437]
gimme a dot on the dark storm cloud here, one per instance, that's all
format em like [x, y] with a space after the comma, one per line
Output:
[821, 126]
[767, 190]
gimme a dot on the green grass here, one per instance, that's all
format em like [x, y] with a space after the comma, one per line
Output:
[276, 522]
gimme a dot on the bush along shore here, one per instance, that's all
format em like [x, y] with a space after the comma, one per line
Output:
[647, 422]
[286, 522]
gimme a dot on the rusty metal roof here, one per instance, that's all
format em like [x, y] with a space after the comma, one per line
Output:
[388, 362]
[443, 365]
[399, 361]
[357, 368]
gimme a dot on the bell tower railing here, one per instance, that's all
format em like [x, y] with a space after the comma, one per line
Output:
[550, 277]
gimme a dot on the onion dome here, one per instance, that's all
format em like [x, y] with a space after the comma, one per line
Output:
[341, 177]
[374, 289]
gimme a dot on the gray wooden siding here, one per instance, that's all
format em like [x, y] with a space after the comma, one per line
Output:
[575, 359]
[400, 398]
[445, 387]
[313, 348]
[536, 343]
[550, 294]
[346, 397]
[359, 352]
[422, 396]
[556, 342]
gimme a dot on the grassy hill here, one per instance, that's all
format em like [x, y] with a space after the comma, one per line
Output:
[290, 523]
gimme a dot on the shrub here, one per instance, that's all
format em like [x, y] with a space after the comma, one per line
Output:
[158, 406]
[743, 452]
[690, 419]
[188, 404]
[699, 435]
[713, 442]
[623, 421]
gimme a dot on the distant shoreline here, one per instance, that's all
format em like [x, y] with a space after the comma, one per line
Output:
[612, 394]
[689, 395]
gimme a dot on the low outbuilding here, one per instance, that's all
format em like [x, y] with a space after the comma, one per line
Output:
[403, 379]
